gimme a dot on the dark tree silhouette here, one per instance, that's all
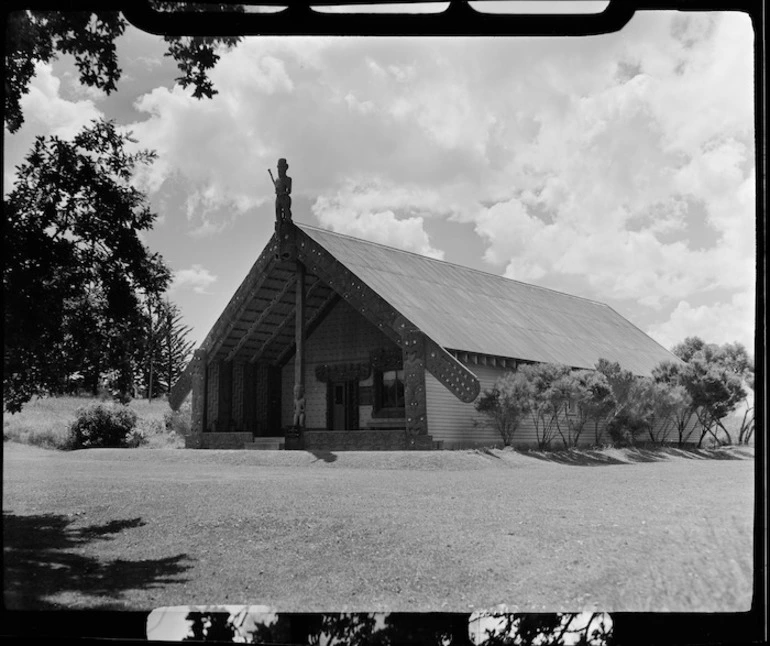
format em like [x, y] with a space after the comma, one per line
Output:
[72, 251]
[42, 36]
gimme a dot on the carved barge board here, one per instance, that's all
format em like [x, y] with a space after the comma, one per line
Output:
[460, 381]
[449, 371]
[363, 299]
[240, 300]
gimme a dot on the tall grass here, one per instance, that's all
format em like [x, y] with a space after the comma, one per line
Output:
[45, 422]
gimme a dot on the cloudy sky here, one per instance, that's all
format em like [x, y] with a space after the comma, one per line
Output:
[616, 167]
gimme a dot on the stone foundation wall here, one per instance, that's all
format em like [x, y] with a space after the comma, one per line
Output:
[217, 440]
[374, 440]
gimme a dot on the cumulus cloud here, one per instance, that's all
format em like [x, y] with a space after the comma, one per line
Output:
[46, 112]
[723, 322]
[366, 210]
[321, 104]
[617, 163]
[197, 278]
[623, 163]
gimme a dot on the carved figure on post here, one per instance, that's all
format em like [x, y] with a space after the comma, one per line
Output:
[282, 191]
[299, 407]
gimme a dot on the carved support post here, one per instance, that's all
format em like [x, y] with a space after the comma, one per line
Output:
[239, 391]
[198, 424]
[415, 402]
[224, 420]
[294, 440]
[299, 328]
[249, 397]
[262, 403]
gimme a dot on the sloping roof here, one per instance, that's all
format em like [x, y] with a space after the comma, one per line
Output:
[473, 311]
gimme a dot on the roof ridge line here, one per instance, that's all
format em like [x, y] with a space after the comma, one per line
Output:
[452, 264]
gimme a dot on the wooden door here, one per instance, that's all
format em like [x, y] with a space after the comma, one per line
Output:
[339, 406]
[342, 405]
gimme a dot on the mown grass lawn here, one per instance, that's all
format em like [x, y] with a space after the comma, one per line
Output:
[392, 531]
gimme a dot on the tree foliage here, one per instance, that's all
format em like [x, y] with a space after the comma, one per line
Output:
[586, 396]
[42, 36]
[102, 426]
[619, 423]
[506, 404]
[488, 628]
[166, 348]
[669, 374]
[76, 269]
[598, 402]
[717, 378]
[561, 402]
[351, 629]
[546, 403]
[548, 629]
[558, 401]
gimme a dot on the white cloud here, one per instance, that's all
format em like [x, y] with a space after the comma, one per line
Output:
[580, 161]
[379, 226]
[45, 110]
[367, 207]
[617, 161]
[718, 323]
[197, 278]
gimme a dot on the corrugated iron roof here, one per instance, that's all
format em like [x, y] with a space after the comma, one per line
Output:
[473, 311]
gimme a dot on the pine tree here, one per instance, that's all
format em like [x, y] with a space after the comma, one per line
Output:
[175, 349]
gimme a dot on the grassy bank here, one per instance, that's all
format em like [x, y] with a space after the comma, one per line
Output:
[45, 422]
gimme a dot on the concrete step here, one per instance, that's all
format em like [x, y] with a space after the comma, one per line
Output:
[265, 444]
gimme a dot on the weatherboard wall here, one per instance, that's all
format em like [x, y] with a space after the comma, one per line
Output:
[455, 423]
[459, 425]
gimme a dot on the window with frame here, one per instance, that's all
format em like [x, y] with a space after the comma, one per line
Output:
[388, 393]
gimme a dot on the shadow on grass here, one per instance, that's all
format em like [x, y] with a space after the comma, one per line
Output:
[41, 559]
[485, 450]
[633, 455]
[326, 456]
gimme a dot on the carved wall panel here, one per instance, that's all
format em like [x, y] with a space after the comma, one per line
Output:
[386, 359]
[343, 371]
